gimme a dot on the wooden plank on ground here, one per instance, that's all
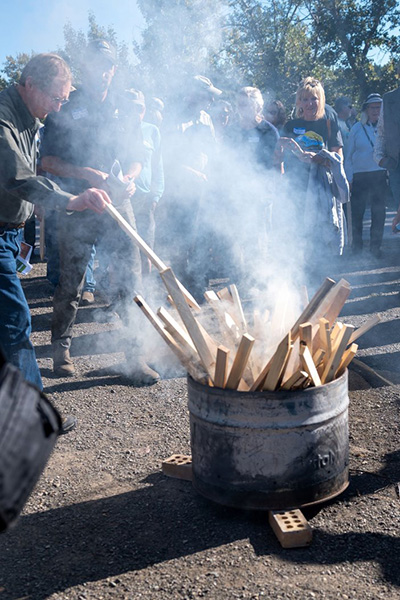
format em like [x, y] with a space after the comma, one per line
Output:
[240, 361]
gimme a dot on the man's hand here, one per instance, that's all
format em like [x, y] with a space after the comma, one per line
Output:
[131, 188]
[96, 179]
[90, 199]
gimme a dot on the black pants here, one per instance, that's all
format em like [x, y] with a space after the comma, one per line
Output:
[369, 188]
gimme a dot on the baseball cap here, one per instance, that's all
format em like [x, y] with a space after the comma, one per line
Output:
[204, 84]
[372, 98]
[101, 48]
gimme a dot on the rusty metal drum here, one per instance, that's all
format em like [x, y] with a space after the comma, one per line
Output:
[269, 450]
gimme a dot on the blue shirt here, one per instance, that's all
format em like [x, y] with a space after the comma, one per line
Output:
[151, 178]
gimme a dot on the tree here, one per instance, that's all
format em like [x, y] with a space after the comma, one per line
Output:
[13, 67]
[179, 41]
[348, 32]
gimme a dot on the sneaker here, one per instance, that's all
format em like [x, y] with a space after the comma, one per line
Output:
[67, 425]
[87, 298]
[62, 363]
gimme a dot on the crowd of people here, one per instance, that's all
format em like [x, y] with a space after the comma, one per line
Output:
[215, 181]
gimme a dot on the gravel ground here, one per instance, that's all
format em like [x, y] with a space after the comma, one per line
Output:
[105, 523]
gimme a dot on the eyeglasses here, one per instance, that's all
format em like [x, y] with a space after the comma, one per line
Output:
[58, 100]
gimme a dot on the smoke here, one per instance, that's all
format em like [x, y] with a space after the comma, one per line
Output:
[226, 214]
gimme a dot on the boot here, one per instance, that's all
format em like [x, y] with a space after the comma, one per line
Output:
[62, 363]
[140, 372]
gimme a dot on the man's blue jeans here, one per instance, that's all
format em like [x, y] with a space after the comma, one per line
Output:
[15, 318]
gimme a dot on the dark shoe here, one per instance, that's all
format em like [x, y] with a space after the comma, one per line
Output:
[140, 372]
[68, 424]
[62, 363]
[87, 298]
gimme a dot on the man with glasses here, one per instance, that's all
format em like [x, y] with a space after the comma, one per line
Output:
[79, 147]
[44, 87]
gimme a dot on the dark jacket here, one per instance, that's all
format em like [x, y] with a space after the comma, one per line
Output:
[20, 187]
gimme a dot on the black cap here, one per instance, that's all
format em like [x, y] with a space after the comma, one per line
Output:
[101, 48]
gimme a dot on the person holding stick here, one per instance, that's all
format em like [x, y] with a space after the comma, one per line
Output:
[80, 147]
[43, 88]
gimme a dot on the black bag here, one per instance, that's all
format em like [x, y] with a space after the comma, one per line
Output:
[29, 426]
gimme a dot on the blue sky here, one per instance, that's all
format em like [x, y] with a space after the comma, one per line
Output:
[34, 25]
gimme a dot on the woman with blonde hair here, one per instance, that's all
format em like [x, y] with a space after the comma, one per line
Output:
[314, 167]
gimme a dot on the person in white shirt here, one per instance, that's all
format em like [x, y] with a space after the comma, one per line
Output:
[369, 181]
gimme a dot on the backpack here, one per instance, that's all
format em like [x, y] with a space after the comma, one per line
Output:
[29, 426]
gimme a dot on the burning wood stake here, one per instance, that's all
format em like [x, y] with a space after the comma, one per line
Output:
[189, 321]
[145, 248]
[175, 329]
[305, 330]
[240, 361]
[325, 336]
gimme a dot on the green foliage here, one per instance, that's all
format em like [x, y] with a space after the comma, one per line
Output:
[13, 67]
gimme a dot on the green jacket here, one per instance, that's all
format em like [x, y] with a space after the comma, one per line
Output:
[20, 187]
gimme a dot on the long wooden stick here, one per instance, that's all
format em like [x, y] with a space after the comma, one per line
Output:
[279, 361]
[364, 328]
[187, 357]
[189, 320]
[145, 248]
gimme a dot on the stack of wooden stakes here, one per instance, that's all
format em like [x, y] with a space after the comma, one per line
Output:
[316, 350]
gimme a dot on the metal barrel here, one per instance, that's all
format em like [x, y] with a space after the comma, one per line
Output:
[269, 450]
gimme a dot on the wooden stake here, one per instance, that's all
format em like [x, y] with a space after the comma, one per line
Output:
[145, 248]
[335, 358]
[238, 308]
[325, 336]
[175, 329]
[240, 361]
[308, 364]
[295, 380]
[221, 367]
[189, 321]
[364, 328]
[279, 361]
[348, 356]
[188, 358]
[313, 305]
[305, 331]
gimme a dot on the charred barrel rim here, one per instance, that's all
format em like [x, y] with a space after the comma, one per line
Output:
[219, 473]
